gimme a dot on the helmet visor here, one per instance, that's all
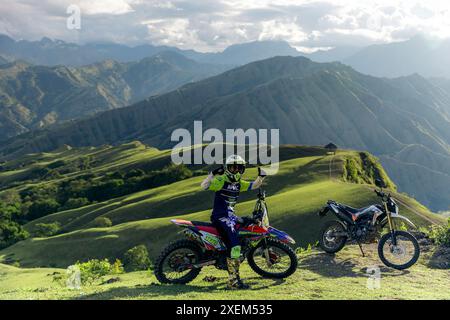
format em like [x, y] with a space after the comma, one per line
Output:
[236, 168]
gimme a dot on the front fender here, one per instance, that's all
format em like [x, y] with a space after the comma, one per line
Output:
[280, 235]
[398, 216]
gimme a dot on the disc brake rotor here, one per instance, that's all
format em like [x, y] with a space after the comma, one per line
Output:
[179, 262]
[398, 251]
[273, 257]
[330, 237]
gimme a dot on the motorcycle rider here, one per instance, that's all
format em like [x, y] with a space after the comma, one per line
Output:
[227, 184]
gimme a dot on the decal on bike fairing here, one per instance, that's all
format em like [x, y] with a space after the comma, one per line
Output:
[212, 240]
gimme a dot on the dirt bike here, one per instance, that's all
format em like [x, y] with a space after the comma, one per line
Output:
[265, 248]
[396, 249]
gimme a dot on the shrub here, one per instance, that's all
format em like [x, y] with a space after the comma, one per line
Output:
[137, 258]
[41, 208]
[102, 222]
[117, 267]
[73, 203]
[351, 170]
[47, 229]
[305, 251]
[10, 233]
[56, 164]
[441, 234]
[95, 269]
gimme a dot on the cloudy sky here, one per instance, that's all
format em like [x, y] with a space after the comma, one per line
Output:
[212, 25]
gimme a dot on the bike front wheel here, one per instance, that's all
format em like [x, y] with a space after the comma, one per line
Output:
[273, 259]
[403, 254]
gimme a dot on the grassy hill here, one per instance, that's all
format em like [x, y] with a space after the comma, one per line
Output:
[307, 178]
[319, 276]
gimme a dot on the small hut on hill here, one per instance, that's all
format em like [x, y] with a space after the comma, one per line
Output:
[331, 147]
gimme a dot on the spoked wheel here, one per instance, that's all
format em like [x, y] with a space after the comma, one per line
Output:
[402, 255]
[333, 237]
[273, 259]
[175, 263]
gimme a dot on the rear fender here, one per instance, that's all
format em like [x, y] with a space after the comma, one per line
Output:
[182, 223]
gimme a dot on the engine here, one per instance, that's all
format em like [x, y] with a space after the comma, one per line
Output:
[364, 231]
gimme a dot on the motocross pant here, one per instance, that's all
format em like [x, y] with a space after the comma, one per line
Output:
[226, 227]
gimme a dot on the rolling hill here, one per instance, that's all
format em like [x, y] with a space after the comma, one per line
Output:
[311, 103]
[308, 177]
[35, 96]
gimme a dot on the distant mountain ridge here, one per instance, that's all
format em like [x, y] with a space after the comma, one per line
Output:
[311, 103]
[34, 96]
[427, 57]
[57, 52]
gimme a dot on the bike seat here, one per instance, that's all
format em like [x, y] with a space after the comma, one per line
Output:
[354, 211]
[205, 226]
[202, 224]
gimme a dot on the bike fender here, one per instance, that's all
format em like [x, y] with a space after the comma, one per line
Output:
[397, 216]
[281, 235]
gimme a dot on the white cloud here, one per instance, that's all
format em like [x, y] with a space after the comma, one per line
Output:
[288, 30]
[209, 25]
[113, 7]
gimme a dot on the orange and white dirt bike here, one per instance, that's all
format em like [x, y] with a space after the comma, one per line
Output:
[266, 249]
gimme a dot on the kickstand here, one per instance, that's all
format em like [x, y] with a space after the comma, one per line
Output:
[362, 251]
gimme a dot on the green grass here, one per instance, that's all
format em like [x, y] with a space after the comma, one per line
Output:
[295, 194]
[319, 276]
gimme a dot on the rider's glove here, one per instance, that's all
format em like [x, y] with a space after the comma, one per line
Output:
[261, 173]
[218, 171]
[247, 221]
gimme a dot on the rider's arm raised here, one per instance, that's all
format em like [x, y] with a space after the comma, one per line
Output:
[246, 185]
[207, 182]
[213, 183]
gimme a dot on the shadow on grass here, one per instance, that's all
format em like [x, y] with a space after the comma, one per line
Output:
[329, 265]
[167, 291]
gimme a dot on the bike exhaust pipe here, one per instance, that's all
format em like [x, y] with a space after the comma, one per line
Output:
[204, 264]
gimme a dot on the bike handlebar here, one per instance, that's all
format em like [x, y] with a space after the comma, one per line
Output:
[381, 194]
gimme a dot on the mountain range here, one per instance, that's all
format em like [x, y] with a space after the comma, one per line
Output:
[311, 103]
[34, 96]
[423, 55]
[50, 52]
[428, 57]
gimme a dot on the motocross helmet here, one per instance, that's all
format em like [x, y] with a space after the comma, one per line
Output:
[234, 167]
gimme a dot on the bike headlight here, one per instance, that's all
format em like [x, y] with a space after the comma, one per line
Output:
[392, 206]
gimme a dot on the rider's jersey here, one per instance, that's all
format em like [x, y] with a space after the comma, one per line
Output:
[227, 193]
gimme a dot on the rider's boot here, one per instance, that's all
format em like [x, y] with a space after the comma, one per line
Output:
[234, 279]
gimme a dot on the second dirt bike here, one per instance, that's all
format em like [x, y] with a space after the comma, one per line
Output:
[265, 247]
[397, 249]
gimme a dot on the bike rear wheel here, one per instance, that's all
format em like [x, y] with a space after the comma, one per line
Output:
[402, 255]
[175, 263]
[332, 237]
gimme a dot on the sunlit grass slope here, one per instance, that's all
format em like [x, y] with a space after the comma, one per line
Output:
[307, 178]
[319, 276]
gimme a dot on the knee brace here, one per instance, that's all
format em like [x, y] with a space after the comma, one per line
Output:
[235, 252]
